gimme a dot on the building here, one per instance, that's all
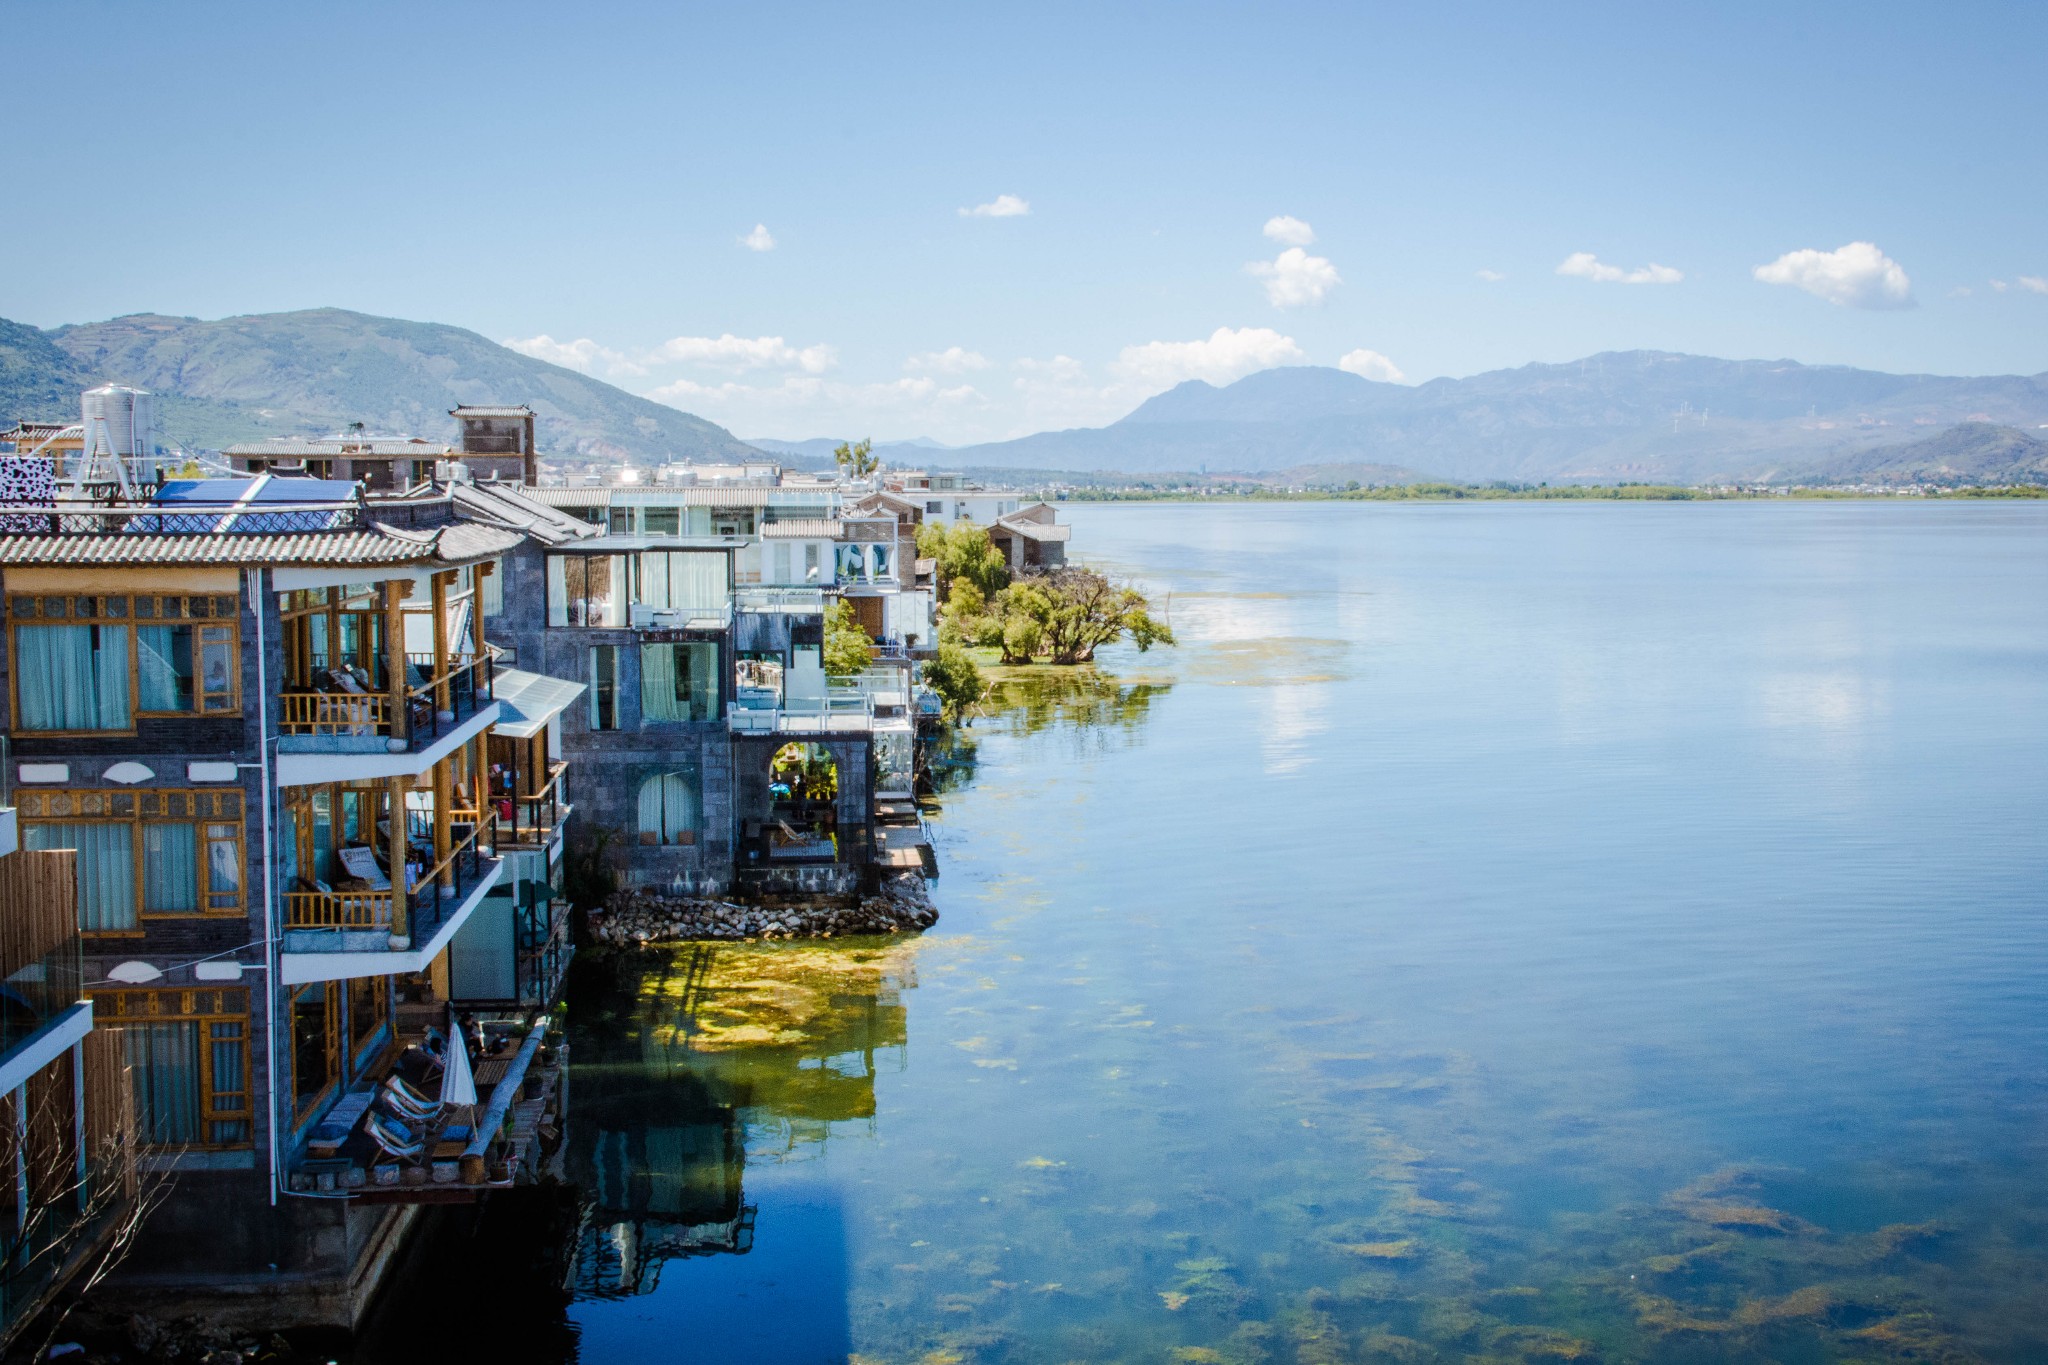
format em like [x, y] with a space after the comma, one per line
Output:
[382, 464]
[1031, 538]
[261, 713]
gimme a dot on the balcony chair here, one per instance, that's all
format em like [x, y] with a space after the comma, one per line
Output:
[394, 1139]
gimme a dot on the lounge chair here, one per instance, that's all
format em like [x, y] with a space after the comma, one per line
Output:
[406, 1103]
[393, 1139]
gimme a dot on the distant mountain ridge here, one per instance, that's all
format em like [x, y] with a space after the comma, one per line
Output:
[313, 372]
[1638, 415]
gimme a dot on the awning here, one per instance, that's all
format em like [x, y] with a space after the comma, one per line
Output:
[528, 701]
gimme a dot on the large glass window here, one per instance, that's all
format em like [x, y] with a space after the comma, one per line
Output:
[143, 852]
[314, 1042]
[670, 806]
[604, 687]
[679, 682]
[369, 1004]
[677, 580]
[661, 521]
[188, 1060]
[93, 663]
[586, 590]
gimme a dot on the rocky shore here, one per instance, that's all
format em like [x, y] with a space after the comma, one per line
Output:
[640, 916]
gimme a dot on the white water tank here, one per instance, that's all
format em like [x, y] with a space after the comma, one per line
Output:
[124, 418]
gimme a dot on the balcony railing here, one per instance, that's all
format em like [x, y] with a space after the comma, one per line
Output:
[843, 709]
[331, 714]
[803, 601]
[435, 893]
[468, 687]
[533, 819]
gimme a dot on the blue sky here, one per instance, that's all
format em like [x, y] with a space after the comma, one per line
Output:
[580, 179]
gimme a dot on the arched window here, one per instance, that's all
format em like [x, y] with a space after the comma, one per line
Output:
[669, 808]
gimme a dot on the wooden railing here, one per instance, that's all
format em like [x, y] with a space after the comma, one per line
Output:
[534, 817]
[337, 909]
[335, 713]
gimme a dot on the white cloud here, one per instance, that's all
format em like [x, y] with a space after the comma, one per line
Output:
[759, 239]
[1586, 266]
[1372, 365]
[1226, 355]
[1854, 276]
[582, 354]
[2034, 284]
[1295, 279]
[1491, 276]
[1002, 206]
[952, 360]
[1289, 231]
[729, 352]
[2000, 286]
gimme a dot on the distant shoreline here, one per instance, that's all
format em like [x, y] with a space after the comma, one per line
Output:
[1622, 492]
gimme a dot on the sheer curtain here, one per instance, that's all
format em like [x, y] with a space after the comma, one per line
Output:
[703, 680]
[164, 1059]
[697, 581]
[72, 677]
[106, 870]
[658, 699]
[163, 655]
[170, 869]
[654, 584]
[668, 808]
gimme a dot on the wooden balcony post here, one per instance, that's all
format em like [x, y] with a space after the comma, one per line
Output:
[396, 590]
[396, 851]
[441, 698]
[476, 606]
[444, 818]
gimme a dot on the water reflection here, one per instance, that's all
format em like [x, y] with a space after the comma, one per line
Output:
[1098, 711]
[689, 1062]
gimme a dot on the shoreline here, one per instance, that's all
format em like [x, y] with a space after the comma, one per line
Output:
[642, 918]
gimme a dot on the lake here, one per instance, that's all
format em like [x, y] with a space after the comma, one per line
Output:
[1505, 931]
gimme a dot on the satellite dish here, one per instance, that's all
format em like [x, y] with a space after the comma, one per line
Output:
[135, 973]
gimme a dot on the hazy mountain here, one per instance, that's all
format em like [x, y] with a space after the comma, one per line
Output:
[38, 382]
[313, 372]
[816, 451]
[1973, 452]
[1640, 415]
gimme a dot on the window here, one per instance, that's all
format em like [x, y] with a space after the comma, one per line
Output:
[369, 1004]
[782, 562]
[933, 509]
[661, 521]
[669, 808]
[314, 1040]
[852, 564]
[188, 1058]
[94, 663]
[679, 682]
[494, 591]
[187, 846]
[586, 590]
[882, 558]
[810, 561]
[604, 687]
[670, 580]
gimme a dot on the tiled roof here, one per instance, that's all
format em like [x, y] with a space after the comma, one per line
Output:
[808, 528]
[369, 447]
[1034, 530]
[638, 494]
[453, 544]
[506, 505]
[486, 410]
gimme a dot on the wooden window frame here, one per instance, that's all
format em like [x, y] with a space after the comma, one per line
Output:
[139, 808]
[220, 615]
[205, 1007]
[331, 1004]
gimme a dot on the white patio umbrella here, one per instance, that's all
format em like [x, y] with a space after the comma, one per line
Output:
[458, 1082]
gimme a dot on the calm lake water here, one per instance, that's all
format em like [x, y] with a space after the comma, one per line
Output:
[1506, 931]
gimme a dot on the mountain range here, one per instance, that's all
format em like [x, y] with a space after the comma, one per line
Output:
[1649, 416]
[312, 373]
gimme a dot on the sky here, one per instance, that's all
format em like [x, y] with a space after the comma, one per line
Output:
[972, 222]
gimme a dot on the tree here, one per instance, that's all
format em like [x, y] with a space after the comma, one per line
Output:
[954, 675]
[963, 553]
[1069, 613]
[847, 647]
[856, 461]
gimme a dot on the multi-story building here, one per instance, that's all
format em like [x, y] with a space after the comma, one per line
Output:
[261, 714]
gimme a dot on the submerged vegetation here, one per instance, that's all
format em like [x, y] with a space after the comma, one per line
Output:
[1246, 491]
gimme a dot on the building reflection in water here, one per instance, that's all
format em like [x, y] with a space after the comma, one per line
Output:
[686, 1062]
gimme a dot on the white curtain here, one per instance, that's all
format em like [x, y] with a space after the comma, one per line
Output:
[106, 870]
[668, 807]
[697, 581]
[654, 580]
[163, 656]
[170, 869]
[73, 677]
[703, 681]
[658, 699]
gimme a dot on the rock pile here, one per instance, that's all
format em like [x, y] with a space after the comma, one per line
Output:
[642, 916]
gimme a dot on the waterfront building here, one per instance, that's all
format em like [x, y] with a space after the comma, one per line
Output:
[259, 711]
